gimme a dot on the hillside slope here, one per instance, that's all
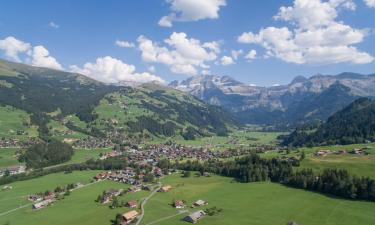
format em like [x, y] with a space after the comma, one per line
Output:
[70, 105]
[354, 124]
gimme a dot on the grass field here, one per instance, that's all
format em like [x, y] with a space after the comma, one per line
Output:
[256, 204]
[79, 208]
[13, 120]
[8, 157]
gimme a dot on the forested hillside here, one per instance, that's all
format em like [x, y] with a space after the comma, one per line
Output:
[68, 105]
[354, 124]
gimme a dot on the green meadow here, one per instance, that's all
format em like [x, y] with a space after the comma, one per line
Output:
[8, 157]
[79, 208]
[255, 204]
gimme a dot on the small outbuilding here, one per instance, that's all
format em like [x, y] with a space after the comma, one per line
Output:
[195, 217]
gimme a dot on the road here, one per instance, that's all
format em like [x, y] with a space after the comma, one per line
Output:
[168, 217]
[144, 203]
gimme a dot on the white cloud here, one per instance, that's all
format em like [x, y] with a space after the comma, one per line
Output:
[124, 44]
[236, 53]
[226, 60]
[318, 38]
[182, 54]
[370, 3]
[165, 21]
[13, 47]
[40, 57]
[53, 25]
[112, 70]
[191, 10]
[36, 56]
[252, 54]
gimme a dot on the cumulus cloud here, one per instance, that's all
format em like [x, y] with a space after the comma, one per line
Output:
[191, 10]
[40, 57]
[53, 25]
[124, 44]
[36, 56]
[370, 3]
[236, 53]
[12, 47]
[112, 70]
[252, 54]
[318, 37]
[181, 54]
[226, 60]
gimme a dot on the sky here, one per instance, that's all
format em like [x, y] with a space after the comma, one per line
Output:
[257, 42]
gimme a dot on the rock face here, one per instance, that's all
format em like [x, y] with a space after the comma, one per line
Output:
[302, 100]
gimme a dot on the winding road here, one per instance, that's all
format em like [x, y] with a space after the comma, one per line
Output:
[144, 203]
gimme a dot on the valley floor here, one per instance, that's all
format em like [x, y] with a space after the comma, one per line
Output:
[251, 204]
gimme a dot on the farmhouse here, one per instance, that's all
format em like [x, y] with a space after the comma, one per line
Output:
[42, 204]
[108, 195]
[35, 198]
[134, 189]
[129, 216]
[132, 204]
[165, 188]
[322, 153]
[200, 203]
[179, 204]
[195, 217]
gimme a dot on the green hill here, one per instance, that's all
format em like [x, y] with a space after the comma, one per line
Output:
[354, 124]
[69, 105]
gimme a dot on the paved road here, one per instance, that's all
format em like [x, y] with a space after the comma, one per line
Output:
[144, 203]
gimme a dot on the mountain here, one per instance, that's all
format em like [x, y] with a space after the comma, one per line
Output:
[73, 106]
[303, 100]
[353, 124]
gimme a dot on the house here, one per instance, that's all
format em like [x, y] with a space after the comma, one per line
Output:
[134, 189]
[132, 204]
[109, 194]
[35, 198]
[179, 204]
[7, 188]
[358, 151]
[129, 216]
[195, 217]
[206, 174]
[42, 204]
[165, 188]
[322, 153]
[199, 203]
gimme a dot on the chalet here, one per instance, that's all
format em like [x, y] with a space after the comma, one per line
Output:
[195, 217]
[35, 198]
[132, 204]
[199, 203]
[322, 153]
[179, 204]
[134, 189]
[109, 194]
[7, 188]
[129, 216]
[358, 151]
[165, 188]
[42, 204]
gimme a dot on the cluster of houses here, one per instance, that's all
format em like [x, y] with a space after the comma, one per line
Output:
[13, 170]
[126, 176]
[16, 143]
[93, 142]
[110, 155]
[43, 200]
[153, 153]
[356, 151]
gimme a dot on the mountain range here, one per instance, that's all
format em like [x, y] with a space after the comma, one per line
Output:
[303, 100]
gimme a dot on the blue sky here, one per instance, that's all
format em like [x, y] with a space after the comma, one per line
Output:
[306, 38]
